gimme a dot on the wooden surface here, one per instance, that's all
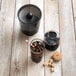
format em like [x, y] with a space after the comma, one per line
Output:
[57, 15]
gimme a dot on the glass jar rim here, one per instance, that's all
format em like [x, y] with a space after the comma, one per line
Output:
[41, 42]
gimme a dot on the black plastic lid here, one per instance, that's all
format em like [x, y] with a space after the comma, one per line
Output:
[33, 10]
[51, 38]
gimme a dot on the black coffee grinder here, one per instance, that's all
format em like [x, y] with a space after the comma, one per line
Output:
[29, 16]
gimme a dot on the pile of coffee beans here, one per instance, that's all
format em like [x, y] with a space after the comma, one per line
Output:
[56, 57]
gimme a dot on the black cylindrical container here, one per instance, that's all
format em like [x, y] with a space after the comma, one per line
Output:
[29, 16]
[37, 49]
[51, 40]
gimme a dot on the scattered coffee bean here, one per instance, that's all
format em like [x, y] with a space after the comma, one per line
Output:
[52, 69]
[51, 61]
[53, 65]
[45, 64]
[50, 64]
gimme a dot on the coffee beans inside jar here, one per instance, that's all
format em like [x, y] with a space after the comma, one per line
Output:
[51, 40]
